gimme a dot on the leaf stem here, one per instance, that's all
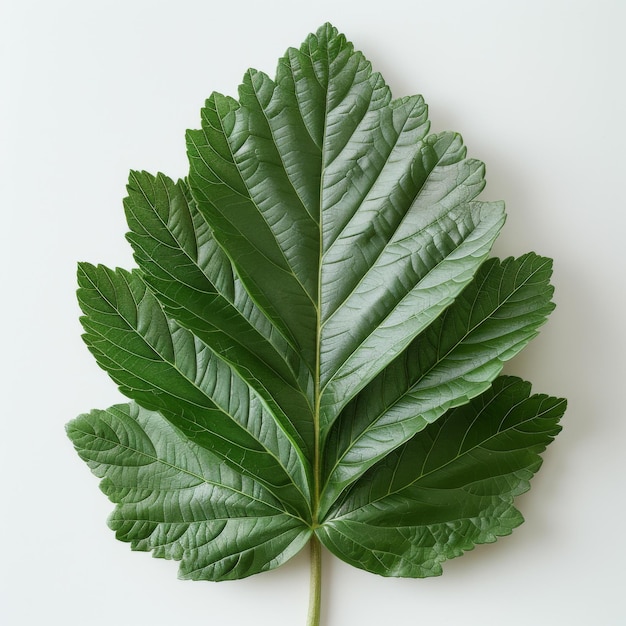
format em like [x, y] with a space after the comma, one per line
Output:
[315, 589]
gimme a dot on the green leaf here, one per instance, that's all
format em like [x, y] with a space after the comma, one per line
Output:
[313, 338]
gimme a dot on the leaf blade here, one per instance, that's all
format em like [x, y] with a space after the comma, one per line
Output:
[311, 305]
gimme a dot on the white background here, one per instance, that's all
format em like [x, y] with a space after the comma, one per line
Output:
[90, 90]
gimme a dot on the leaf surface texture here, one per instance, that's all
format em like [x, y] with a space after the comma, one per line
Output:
[313, 339]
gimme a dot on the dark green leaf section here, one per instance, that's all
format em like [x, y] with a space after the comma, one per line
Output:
[181, 502]
[166, 368]
[455, 359]
[450, 487]
[195, 283]
[244, 192]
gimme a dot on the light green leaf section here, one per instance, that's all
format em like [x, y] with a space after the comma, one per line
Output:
[407, 247]
[415, 302]
[455, 359]
[451, 487]
[181, 502]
